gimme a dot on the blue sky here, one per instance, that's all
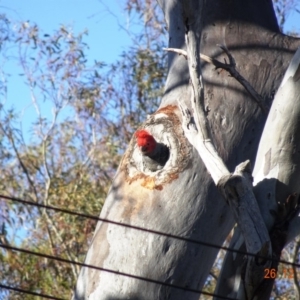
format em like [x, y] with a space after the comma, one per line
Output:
[106, 21]
[108, 25]
[101, 18]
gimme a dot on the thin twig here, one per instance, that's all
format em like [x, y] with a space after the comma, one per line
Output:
[231, 69]
[11, 138]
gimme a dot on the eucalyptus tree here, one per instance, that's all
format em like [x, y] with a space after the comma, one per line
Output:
[226, 105]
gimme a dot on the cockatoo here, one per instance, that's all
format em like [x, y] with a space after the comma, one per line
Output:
[155, 155]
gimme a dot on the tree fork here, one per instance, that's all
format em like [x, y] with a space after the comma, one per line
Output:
[231, 68]
[237, 187]
[190, 205]
[274, 178]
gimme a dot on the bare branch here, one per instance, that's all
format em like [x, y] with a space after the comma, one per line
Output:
[178, 51]
[11, 138]
[196, 127]
[236, 188]
[231, 69]
[235, 74]
[50, 223]
[204, 147]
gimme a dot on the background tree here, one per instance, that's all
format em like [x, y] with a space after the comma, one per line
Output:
[70, 160]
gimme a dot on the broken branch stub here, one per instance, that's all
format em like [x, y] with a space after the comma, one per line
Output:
[238, 191]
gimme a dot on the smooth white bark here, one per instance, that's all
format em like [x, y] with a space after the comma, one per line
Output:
[276, 172]
[181, 199]
[277, 166]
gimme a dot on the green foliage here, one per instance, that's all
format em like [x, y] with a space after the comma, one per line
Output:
[70, 157]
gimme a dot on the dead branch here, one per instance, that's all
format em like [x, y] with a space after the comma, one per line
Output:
[231, 69]
[236, 188]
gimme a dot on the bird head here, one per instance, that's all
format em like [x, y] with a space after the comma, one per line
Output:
[145, 142]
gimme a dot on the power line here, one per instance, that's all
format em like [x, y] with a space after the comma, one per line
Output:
[63, 210]
[112, 271]
[29, 292]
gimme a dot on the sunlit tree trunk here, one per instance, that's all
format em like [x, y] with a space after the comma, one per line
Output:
[181, 199]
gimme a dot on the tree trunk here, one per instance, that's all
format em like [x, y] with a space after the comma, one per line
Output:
[276, 186]
[181, 199]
